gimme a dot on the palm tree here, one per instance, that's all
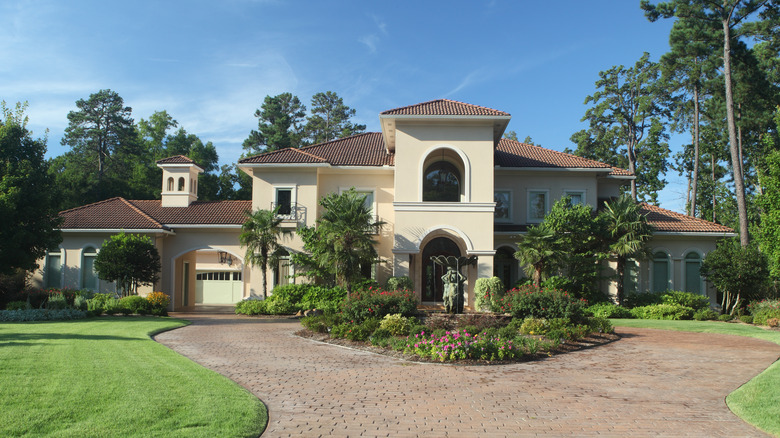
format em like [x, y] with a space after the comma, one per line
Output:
[537, 251]
[627, 233]
[345, 231]
[260, 234]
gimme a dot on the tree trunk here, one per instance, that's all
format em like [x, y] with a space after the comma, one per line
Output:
[621, 271]
[712, 159]
[695, 177]
[736, 165]
[632, 167]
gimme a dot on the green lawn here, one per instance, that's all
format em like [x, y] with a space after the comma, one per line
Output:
[758, 401]
[106, 377]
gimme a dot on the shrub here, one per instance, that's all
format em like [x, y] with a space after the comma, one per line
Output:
[705, 315]
[533, 326]
[487, 290]
[16, 305]
[764, 310]
[319, 323]
[399, 283]
[663, 311]
[608, 310]
[323, 298]
[600, 324]
[95, 307]
[376, 303]
[570, 332]
[643, 299]
[251, 307]
[80, 302]
[361, 331]
[40, 315]
[458, 345]
[36, 297]
[773, 322]
[687, 299]
[481, 321]
[281, 307]
[396, 324]
[158, 303]
[747, 319]
[725, 317]
[57, 301]
[112, 306]
[380, 337]
[135, 304]
[547, 304]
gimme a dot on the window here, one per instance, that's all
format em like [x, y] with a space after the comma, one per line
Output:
[537, 205]
[181, 183]
[441, 183]
[693, 281]
[661, 272]
[53, 271]
[89, 278]
[170, 183]
[503, 200]
[284, 201]
[631, 276]
[369, 202]
[282, 269]
[577, 196]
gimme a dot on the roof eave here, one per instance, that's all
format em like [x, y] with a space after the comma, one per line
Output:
[118, 230]
[696, 233]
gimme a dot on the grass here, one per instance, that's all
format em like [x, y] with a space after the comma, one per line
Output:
[758, 401]
[106, 377]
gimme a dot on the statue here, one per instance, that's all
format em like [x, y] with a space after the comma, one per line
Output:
[453, 280]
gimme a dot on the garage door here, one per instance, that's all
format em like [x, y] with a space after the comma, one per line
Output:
[222, 287]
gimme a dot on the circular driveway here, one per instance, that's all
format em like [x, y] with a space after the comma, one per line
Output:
[649, 383]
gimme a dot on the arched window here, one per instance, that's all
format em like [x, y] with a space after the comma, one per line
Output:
[692, 268]
[181, 183]
[661, 271]
[53, 272]
[170, 183]
[441, 182]
[89, 278]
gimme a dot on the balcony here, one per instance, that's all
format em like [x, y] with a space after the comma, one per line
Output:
[290, 213]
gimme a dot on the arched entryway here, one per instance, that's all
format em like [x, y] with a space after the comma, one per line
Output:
[208, 276]
[432, 287]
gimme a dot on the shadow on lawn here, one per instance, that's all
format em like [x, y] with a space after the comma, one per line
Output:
[21, 339]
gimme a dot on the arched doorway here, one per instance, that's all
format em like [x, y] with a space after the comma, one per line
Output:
[433, 288]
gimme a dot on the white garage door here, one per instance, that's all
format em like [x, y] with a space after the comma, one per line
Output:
[222, 287]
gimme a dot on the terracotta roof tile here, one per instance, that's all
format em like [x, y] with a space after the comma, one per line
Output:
[114, 213]
[511, 153]
[443, 107]
[366, 149]
[119, 213]
[176, 159]
[669, 221]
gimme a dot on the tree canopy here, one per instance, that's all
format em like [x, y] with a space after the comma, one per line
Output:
[131, 260]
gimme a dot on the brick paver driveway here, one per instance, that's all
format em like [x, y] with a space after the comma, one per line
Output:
[650, 383]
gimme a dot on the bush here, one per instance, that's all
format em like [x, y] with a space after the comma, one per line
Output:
[112, 306]
[773, 322]
[747, 319]
[705, 315]
[608, 310]
[281, 307]
[663, 311]
[80, 303]
[158, 303]
[396, 324]
[725, 317]
[135, 304]
[16, 305]
[57, 301]
[687, 299]
[251, 307]
[545, 303]
[376, 303]
[487, 290]
[357, 332]
[643, 299]
[41, 315]
[600, 325]
[319, 323]
[534, 326]
[399, 283]
[764, 310]
[458, 345]
[380, 338]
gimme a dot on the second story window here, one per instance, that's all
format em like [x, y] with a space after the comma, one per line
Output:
[441, 182]
[503, 200]
[284, 201]
[537, 205]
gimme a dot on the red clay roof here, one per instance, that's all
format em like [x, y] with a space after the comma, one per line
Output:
[366, 149]
[176, 159]
[511, 153]
[120, 213]
[669, 221]
[443, 107]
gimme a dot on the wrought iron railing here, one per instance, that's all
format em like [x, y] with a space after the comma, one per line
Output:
[289, 212]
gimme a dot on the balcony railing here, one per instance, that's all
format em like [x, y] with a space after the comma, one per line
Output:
[290, 213]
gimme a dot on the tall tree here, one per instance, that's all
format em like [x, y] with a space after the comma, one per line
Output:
[627, 233]
[101, 128]
[131, 260]
[329, 119]
[279, 124]
[28, 221]
[260, 235]
[729, 15]
[627, 104]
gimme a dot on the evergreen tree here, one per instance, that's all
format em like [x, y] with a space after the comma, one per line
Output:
[279, 125]
[329, 119]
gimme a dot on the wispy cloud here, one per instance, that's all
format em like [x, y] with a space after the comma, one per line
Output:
[476, 76]
[370, 41]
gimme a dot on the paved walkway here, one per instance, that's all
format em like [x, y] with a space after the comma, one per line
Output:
[650, 383]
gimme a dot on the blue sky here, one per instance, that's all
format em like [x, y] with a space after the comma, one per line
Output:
[210, 64]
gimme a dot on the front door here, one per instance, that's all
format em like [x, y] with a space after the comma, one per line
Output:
[433, 287]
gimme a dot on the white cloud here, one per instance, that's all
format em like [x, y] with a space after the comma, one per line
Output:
[370, 41]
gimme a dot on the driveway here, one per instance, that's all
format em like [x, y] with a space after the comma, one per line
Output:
[650, 383]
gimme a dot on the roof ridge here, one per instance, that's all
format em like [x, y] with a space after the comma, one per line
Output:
[337, 140]
[143, 213]
[92, 204]
[443, 100]
[310, 154]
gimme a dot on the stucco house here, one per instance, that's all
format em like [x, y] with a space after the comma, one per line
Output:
[439, 174]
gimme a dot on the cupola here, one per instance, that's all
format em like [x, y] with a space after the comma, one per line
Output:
[179, 181]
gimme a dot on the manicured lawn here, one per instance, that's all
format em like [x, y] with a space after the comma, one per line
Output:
[106, 377]
[758, 401]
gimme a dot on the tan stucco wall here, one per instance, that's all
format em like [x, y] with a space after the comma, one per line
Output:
[554, 183]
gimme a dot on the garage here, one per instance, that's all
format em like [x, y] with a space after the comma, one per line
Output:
[218, 287]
